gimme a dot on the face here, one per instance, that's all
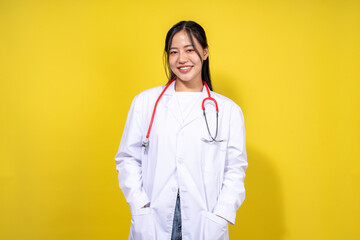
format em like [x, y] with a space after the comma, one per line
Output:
[183, 60]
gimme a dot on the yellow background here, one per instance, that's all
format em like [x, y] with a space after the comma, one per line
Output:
[70, 69]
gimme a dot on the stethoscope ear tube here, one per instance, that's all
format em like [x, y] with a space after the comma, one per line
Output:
[213, 139]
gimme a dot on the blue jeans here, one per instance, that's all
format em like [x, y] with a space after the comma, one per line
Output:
[176, 229]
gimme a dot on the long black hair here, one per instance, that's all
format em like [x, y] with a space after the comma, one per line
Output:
[192, 29]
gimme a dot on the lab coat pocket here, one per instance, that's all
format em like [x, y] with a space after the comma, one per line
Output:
[142, 225]
[214, 227]
[214, 155]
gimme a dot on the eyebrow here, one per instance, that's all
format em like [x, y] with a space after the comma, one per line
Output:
[190, 45]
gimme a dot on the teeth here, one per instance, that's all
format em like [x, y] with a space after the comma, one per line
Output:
[183, 68]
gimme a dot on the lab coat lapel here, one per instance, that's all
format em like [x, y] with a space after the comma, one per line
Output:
[172, 104]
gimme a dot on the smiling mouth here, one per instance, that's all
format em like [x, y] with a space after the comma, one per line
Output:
[185, 69]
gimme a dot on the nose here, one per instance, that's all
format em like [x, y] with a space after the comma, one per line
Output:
[183, 58]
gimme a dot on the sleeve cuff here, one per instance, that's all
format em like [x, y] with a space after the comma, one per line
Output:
[224, 213]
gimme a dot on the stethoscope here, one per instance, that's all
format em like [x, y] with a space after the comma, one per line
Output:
[145, 143]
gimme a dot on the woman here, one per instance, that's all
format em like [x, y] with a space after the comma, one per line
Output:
[183, 172]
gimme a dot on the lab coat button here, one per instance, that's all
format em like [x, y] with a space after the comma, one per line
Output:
[180, 160]
[169, 216]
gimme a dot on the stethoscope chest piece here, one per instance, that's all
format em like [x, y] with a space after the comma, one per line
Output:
[145, 144]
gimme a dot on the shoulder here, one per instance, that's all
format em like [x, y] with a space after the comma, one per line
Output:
[149, 93]
[229, 108]
[147, 96]
[225, 102]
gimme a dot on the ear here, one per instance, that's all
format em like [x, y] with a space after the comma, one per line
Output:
[206, 53]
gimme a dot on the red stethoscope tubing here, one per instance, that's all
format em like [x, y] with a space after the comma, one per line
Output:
[161, 94]
[154, 111]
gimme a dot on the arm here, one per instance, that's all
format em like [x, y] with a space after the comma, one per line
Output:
[232, 192]
[128, 160]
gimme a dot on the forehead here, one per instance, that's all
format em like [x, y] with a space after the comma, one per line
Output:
[182, 39]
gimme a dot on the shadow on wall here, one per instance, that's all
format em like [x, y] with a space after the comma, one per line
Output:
[261, 215]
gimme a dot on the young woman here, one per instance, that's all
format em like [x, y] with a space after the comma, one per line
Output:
[182, 156]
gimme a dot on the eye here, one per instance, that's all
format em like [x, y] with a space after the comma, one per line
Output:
[172, 52]
[190, 50]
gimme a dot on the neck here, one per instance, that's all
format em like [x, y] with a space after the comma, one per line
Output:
[188, 86]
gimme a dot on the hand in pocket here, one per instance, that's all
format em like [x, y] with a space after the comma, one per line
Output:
[142, 225]
[215, 227]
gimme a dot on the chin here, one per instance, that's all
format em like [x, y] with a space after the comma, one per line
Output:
[184, 78]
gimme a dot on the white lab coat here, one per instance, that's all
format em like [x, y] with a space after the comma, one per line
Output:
[209, 175]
